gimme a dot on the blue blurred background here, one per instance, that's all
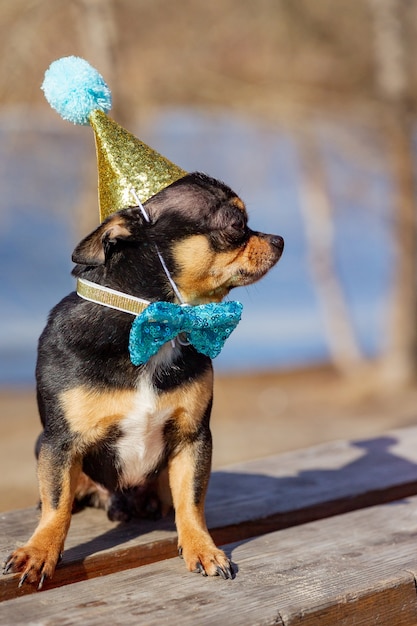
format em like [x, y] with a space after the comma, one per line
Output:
[308, 113]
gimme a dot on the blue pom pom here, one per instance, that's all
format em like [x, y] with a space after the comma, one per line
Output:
[75, 89]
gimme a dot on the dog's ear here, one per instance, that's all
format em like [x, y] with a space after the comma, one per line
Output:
[92, 250]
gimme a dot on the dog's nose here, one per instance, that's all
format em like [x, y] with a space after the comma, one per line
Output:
[277, 242]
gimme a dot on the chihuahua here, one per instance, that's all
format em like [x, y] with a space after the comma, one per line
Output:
[126, 437]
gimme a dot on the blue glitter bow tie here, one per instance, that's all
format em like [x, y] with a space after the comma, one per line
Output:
[206, 326]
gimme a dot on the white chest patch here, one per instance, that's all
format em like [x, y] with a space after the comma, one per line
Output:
[141, 445]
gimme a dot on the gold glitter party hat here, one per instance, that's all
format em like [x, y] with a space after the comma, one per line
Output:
[125, 164]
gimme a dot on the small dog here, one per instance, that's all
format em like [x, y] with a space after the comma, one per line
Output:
[114, 434]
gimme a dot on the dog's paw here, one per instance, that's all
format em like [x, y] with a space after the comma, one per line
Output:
[35, 564]
[209, 562]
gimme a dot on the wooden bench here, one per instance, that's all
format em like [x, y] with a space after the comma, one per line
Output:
[326, 535]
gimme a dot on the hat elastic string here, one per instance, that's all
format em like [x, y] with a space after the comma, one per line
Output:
[164, 267]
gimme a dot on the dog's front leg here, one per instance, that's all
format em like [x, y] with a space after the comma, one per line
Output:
[58, 473]
[189, 473]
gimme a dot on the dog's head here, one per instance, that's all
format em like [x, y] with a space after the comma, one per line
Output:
[199, 226]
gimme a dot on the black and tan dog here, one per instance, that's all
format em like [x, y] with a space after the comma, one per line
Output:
[112, 428]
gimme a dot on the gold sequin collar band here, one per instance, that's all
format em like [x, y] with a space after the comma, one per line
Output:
[110, 297]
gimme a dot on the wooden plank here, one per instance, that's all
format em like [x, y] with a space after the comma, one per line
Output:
[356, 569]
[244, 500]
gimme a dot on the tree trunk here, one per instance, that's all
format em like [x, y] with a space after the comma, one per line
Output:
[400, 359]
[318, 219]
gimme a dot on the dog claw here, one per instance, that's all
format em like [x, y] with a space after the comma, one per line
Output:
[226, 571]
[42, 580]
[22, 580]
[200, 569]
[180, 552]
[7, 566]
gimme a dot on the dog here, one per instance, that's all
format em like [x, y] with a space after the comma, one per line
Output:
[134, 439]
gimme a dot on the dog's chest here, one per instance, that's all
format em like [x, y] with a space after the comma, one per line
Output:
[141, 444]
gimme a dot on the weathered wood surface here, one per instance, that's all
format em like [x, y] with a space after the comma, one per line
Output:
[244, 501]
[355, 569]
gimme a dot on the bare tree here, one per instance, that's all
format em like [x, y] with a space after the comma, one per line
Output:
[319, 224]
[399, 363]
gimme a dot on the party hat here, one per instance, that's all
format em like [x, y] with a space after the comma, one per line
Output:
[125, 164]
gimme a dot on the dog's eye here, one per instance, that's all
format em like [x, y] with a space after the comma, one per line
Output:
[231, 230]
[237, 228]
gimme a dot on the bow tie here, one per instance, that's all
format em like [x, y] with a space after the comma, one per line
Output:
[207, 326]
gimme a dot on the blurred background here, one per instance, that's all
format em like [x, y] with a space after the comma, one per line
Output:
[307, 110]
